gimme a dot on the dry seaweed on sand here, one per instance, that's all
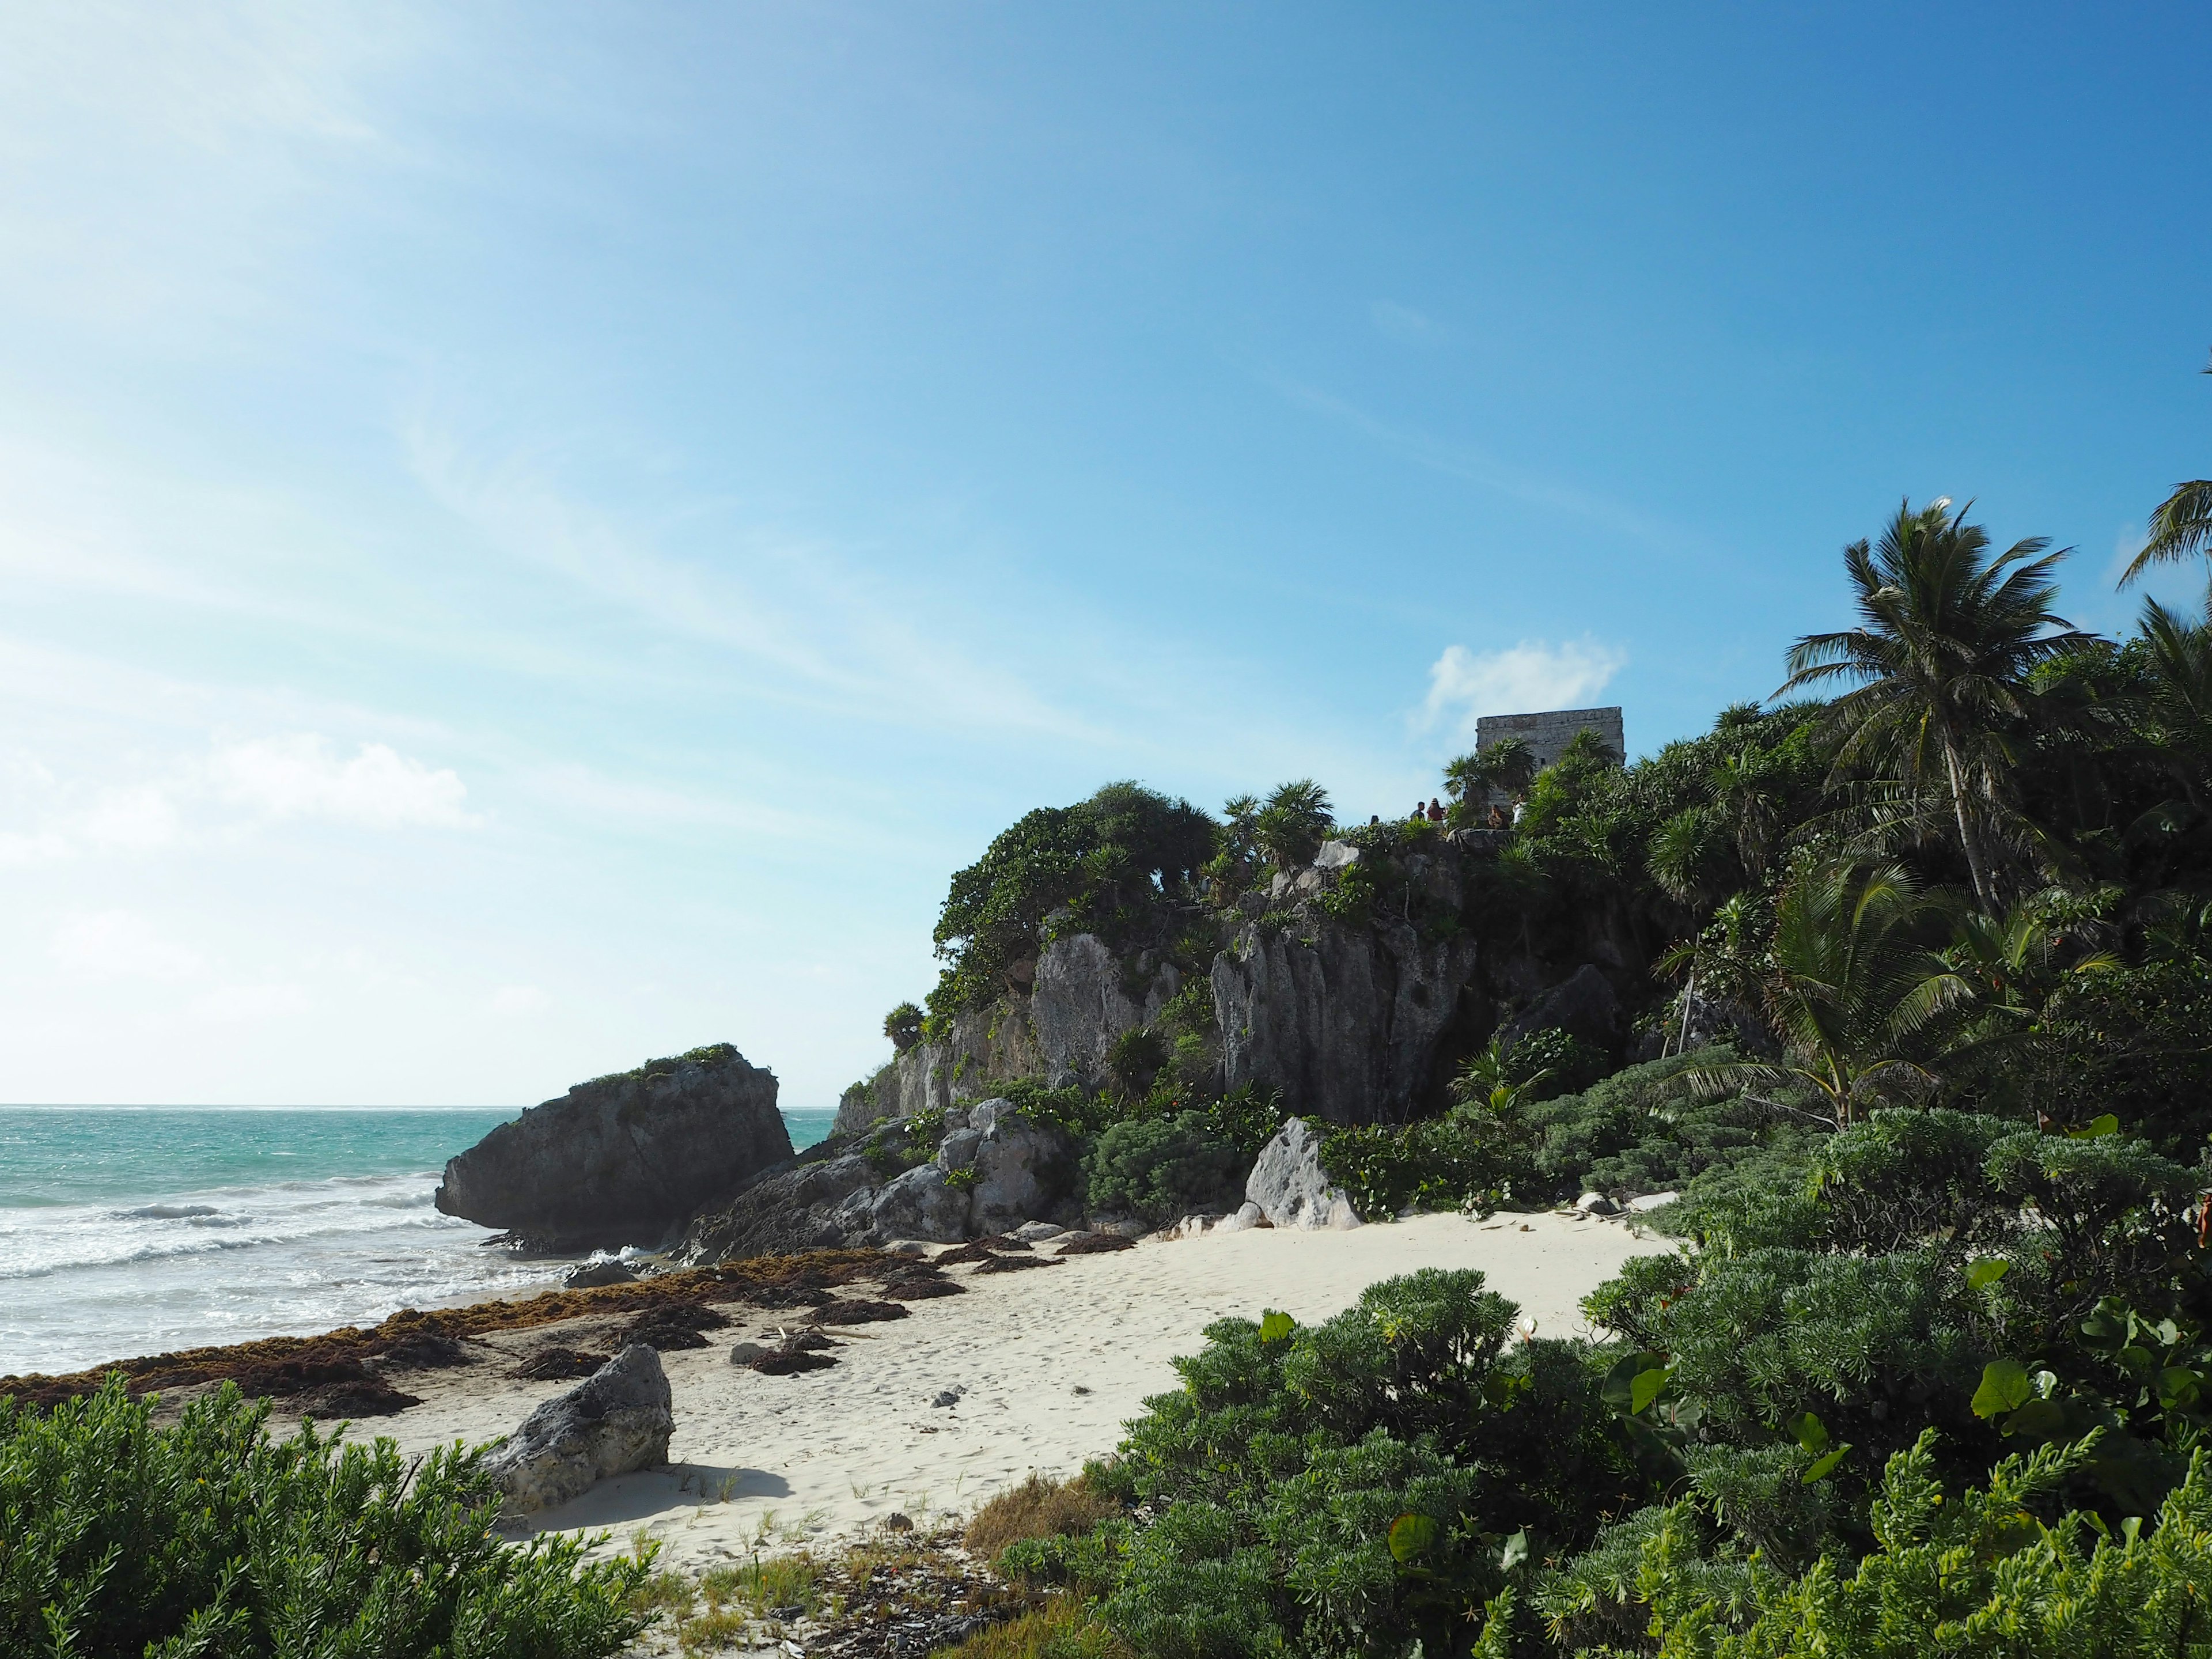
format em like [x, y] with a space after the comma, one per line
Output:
[668, 1328]
[286, 1366]
[559, 1364]
[982, 1250]
[1013, 1264]
[370, 1397]
[920, 1286]
[1094, 1243]
[792, 1355]
[857, 1312]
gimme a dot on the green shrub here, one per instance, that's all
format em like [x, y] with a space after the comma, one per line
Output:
[1355, 1485]
[122, 1540]
[1977, 1575]
[1164, 1167]
[1563, 1061]
[1468, 1161]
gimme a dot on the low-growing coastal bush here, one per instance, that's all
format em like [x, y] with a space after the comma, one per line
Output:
[1163, 1167]
[121, 1540]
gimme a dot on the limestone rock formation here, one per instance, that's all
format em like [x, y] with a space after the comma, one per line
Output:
[1345, 1021]
[624, 1159]
[1290, 1187]
[615, 1420]
[781, 1212]
[1582, 1004]
[990, 1171]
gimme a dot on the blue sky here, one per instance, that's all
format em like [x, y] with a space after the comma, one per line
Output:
[536, 535]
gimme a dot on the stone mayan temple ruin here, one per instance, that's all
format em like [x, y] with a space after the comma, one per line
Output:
[1548, 735]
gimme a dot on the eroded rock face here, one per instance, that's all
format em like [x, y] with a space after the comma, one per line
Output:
[920, 1204]
[1346, 1026]
[1582, 1004]
[615, 1420]
[625, 1159]
[1022, 1168]
[781, 1213]
[1289, 1186]
[1078, 1007]
[992, 1170]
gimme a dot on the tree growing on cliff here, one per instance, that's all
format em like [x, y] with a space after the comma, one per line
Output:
[1292, 825]
[1104, 860]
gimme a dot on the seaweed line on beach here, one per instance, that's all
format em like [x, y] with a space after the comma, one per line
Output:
[289, 1365]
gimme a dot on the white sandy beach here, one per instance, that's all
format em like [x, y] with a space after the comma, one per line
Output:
[1052, 1362]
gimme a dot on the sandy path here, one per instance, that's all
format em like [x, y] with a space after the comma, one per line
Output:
[1051, 1363]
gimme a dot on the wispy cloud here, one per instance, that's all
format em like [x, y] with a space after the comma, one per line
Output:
[822, 633]
[152, 160]
[1524, 678]
[1402, 323]
[1476, 466]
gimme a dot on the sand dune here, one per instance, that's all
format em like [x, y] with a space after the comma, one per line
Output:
[1049, 1364]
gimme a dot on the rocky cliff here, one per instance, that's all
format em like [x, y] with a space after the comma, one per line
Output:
[625, 1159]
[1348, 985]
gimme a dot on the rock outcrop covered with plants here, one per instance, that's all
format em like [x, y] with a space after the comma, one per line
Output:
[1131, 944]
[1904, 993]
[625, 1159]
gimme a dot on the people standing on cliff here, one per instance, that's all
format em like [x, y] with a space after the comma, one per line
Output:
[1436, 813]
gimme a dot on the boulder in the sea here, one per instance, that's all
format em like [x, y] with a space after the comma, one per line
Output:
[1289, 1186]
[625, 1159]
[615, 1421]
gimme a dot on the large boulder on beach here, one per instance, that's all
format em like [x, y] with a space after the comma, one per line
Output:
[625, 1159]
[617, 1419]
[1289, 1186]
[1022, 1168]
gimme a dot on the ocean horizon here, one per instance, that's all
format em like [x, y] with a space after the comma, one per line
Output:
[131, 1228]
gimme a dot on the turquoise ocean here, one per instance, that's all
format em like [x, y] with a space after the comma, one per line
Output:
[137, 1230]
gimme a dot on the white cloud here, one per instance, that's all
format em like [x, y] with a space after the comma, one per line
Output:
[119, 944]
[298, 776]
[516, 999]
[1524, 678]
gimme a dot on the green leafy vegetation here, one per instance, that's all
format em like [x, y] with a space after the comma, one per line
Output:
[120, 1540]
[1161, 1167]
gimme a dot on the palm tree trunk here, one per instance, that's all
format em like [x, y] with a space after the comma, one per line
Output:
[1967, 840]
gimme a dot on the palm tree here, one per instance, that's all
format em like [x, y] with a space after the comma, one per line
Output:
[1948, 637]
[1291, 827]
[2180, 653]
[1858, 1003]
[2181, 526]
[1505, 766]
[1486, 1080]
